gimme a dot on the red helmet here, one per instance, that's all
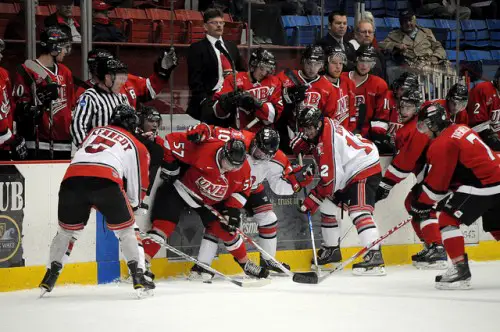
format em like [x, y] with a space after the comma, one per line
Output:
[101, 5]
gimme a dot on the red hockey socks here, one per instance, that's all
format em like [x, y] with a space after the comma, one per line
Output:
[418, 231]
[162, 228]
[430, 230]
[453, 239]
[233, 242]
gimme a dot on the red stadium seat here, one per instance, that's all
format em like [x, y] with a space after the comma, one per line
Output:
[138, 27]
[188, 15]
[161, 26]
[8, 10]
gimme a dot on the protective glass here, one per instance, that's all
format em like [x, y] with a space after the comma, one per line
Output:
[259, 154]
[407, 109]
[459, 104]
[424, 126]
[337, 57]
[267, 67]
[227, 166]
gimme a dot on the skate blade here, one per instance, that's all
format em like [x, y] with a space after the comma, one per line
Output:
[43, 291]
[438, 265]
[205, 278]
[377, 271]
[127, 280]
[457, 285]
[142, 293]
[326, 268]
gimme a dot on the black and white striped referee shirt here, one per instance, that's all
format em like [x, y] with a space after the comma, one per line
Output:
[93, 109]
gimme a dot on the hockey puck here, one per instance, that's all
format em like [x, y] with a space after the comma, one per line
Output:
[305, 278]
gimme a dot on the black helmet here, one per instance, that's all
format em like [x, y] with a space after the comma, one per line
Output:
[412, 96]
[313, 53]
[110, 66]
[334, 52]
[234, 151]
[406, 79]
[267, 140]
[125, 116]
[262, 57]
[309, 116]
[95, 56]
[434, 116]
[52, 39]
[366, 54]
[149, 113]
[458, 92]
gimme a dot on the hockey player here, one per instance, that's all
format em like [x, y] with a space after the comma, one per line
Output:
[269, 163]
[257, 94]
[405, 81]
[136, 88]
[344, 111]
[215, 173]
[370, 91]
[411, 146]
[349, 170]
[455, 103]
[313, 90]
[44, 95]
[11, 146]
[109, 157]
[483, 110]
[459, 161]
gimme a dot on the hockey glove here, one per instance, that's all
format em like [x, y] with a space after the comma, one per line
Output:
[47, 94]
[311, 203]
[420, 211]
[170, 171]
[166, 63]
[295, 94]
[383, 190]
[299, 144]
[229, 101]
[491, 139]
[199, 133]
[301, 177]
[18, 150]
[383, 143]
[232, 219]
[248, 102]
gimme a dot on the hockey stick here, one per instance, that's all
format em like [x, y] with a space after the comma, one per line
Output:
[37, 68]
[313, 278]
[246, 237]
[256, 283]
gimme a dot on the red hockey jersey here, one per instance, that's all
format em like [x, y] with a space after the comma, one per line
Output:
[204, 176]
[113, 153]
[268, 91]
[6, 109]
[394, 119]
[484, 108]
[372, 92]
[460, 161]
[459, 118]
[136, 88]
[61, 108]
[344, 111]
[411, 146]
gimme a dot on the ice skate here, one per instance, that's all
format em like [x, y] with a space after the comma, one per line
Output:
[142, 286]
[50, 278]
[432, 257]
[326, 256]
[373, 265]
[457, 277]
[253, 270]
[198, 273]
[273, 267]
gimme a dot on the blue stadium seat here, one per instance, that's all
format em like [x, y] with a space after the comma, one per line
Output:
[475, 33]
[376, 7]
[350, 22]
[380, 22]
[426, 23]
[475, 55]
[452, 55]
[494, 29]
[298, 30]
[288, 22]
[393, 7]
[495, 55]
[450, 26]
[392, 22]
[381, 33]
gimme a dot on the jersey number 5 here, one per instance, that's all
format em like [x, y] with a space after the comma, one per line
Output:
[99, 144]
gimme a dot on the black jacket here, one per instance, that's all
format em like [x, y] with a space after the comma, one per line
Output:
[107, 33]
[350, 52]
[203, 72]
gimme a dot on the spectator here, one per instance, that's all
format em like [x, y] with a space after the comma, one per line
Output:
[63, 19]
[412, 44]
[207, 66]
[364, 34]
[103, 30]
[335, 37]
[441, 9]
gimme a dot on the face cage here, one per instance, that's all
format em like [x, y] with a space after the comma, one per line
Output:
[424, 126]
[315, 64]
[258, 154]
[459, 104]
[342, 58]
[227, 166]
[407, 109]
[369, 61]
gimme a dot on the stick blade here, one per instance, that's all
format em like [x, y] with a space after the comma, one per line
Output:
[306, 278]
[254, 284]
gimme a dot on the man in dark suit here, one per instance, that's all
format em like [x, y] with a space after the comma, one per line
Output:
[207, 66]
[335, 37]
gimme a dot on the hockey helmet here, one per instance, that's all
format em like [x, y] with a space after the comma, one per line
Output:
[53, 39]
[149, 113]
[333, 53]
[262, 58]
[408, 104]
[124, 116]
[95, 56]
[432, 117]
[265, 144]
[110, 66]
[459, 96]
[366, 54]
[308, 117]
[406, 79]
[233, 154]
[313, 53]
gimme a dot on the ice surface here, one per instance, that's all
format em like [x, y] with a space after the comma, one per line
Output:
[405, 300]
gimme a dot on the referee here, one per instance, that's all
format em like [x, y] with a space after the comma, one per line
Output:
[96, 104]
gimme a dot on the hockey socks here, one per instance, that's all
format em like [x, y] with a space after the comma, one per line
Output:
[160, 231]
[330, 230]
[453, 239]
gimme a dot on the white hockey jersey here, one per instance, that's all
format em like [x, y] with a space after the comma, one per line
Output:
[274, 171]
[114, 153]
